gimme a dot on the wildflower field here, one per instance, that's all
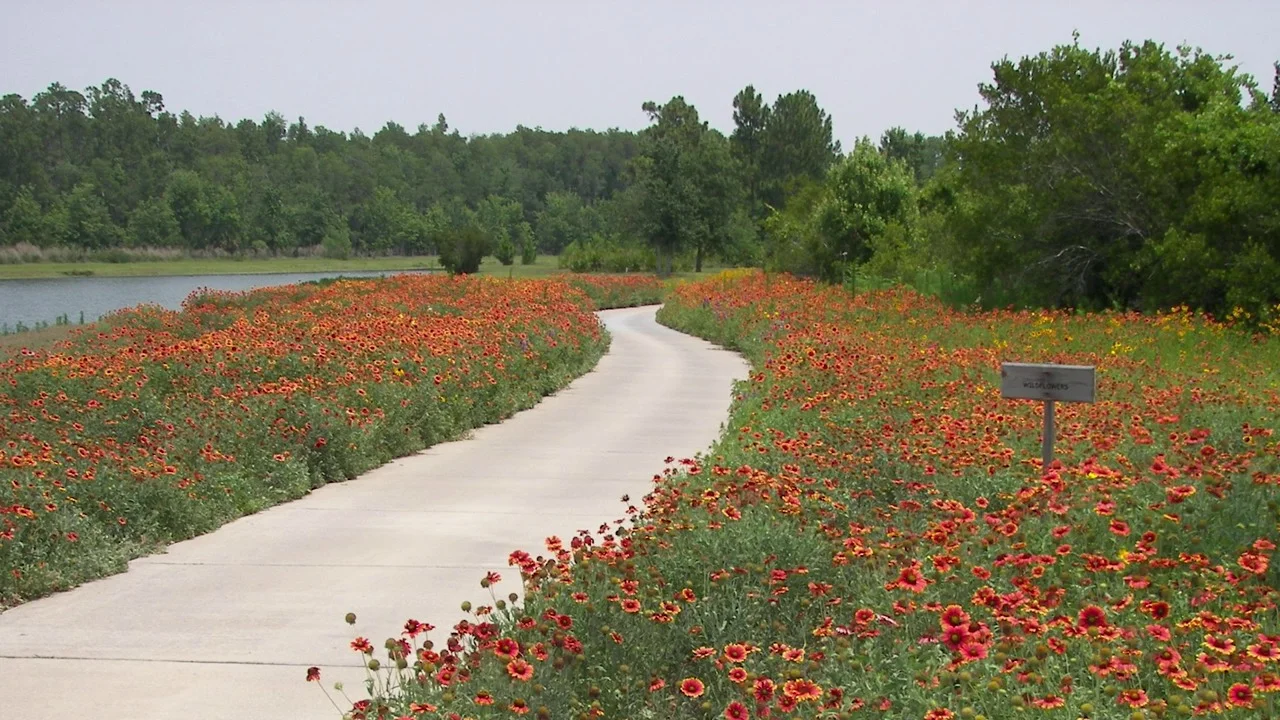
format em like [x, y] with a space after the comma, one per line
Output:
[153, 426]
[874, 535]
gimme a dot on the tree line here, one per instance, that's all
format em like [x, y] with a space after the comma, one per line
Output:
[1140, 177]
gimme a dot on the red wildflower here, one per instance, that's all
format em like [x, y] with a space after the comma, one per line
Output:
[1220, 644]
[692, 687]
[520, 670]
[507, 649]
[313, 674]
[1132, 698]
[910, 578]
[1254, 563]
[1240, 695]
[802, 690]
[953, 616]
[736, 652]
[736, 711]
[1092, 616]
[1266, 652]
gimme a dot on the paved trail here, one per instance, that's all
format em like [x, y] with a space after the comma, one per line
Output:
[223, 626]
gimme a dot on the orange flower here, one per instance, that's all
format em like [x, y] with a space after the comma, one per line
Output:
[1132, 698]
[802, 690]
[953, 616]
[692, 687]
[507, 649]
[1092, 616]
[763, 689]
[736, 652]
[520, 670]
[1240, 695]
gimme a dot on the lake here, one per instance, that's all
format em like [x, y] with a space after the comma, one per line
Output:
[45, 299]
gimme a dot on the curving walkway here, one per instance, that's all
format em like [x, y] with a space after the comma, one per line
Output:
[224, 625]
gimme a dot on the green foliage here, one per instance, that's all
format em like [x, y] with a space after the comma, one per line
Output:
[796, 142]
[599, 254]
[463, 248]
[923, 154]
[387, 224]
[89, 224]
[688, 183]
[337, 242]
[505, 252]
[564, 220]
[274, 183]
[1134, 178]
[24, 223]
[865, 209]
[153, 224]
[523, 238]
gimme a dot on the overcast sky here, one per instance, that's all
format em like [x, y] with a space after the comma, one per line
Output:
[492, 65]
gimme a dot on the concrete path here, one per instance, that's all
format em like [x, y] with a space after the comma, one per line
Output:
[224, 626]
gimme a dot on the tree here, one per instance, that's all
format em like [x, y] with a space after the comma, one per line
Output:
[922, 154]
[563, 220]
[1275, 90]
[24, 221]
[462, 248]
[796, 142]
[864, 208]
[497, 216]
[750, 119]
[689, 185]
[869, 198]
[386, 224]
[153, 224]
[1133, 178]
[505, 252]
[88, 222]
[522, 236]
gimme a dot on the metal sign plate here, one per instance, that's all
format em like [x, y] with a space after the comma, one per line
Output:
[1036, 381]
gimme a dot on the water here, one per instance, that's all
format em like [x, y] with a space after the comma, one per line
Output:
[44, 300]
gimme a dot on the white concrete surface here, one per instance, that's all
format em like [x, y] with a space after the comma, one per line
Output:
[223, 626]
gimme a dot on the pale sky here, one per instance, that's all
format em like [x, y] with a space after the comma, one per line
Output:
[492, 65]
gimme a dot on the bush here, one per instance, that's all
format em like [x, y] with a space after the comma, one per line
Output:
[506, 252]
[605, 255]
[337, 242]
[462, 249]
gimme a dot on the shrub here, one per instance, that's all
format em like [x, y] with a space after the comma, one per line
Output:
[462, 249]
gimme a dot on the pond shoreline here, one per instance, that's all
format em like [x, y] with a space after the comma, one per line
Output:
[188, 267]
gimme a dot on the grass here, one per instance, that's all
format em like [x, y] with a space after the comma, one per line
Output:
[42, 339]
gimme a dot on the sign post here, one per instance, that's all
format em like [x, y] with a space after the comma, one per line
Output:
[1050, 383]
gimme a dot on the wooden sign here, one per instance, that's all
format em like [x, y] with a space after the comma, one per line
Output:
[1035, 381]
[1050, 383]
